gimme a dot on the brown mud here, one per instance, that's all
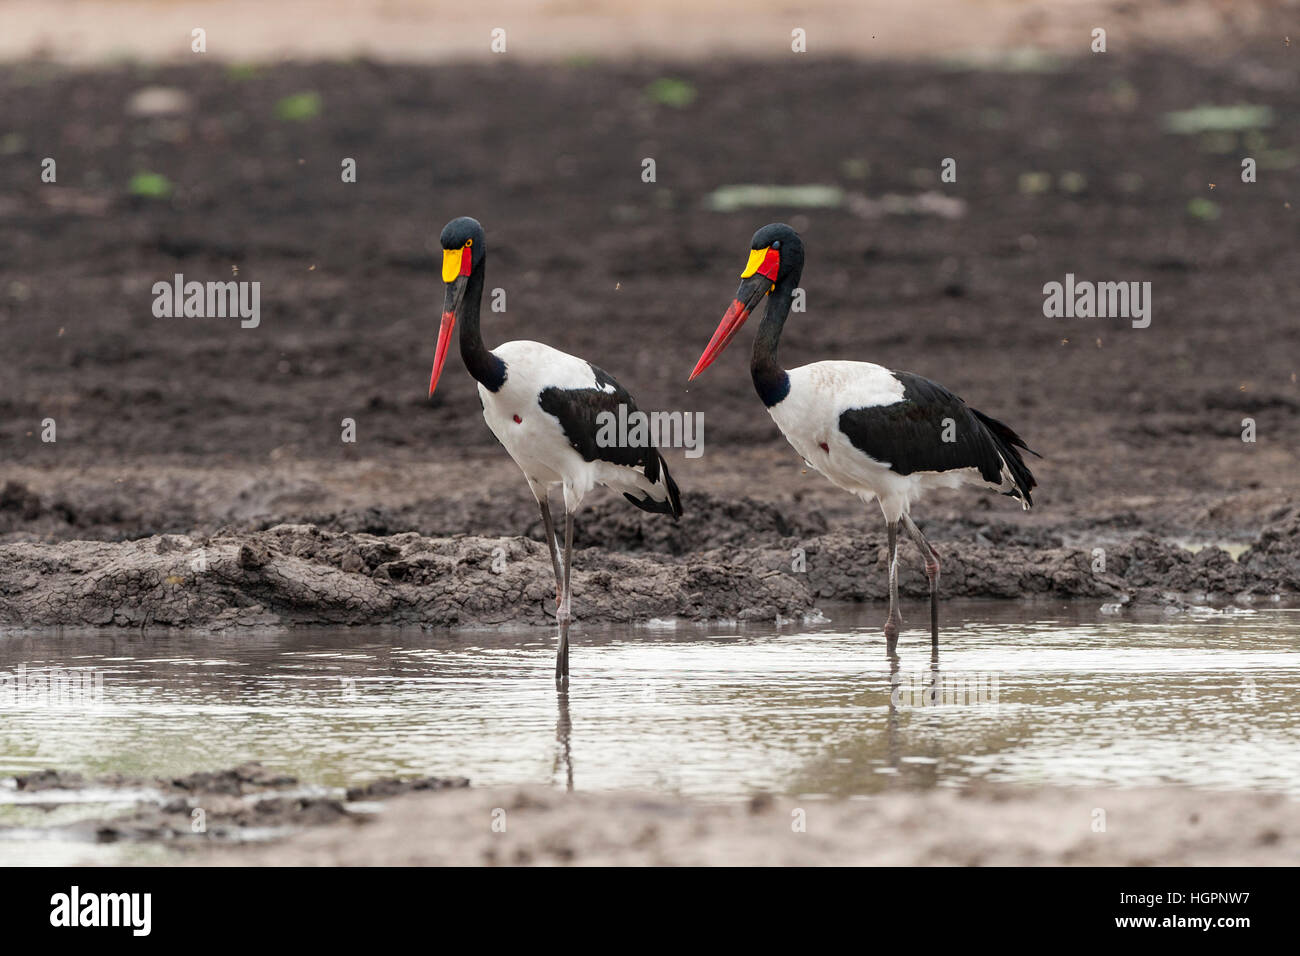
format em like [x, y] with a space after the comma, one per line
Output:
[244, 802]
[981, 827]
[175, 435]
[303, 575]
[253, 816]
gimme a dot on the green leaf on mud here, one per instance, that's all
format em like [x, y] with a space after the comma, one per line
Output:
[150, 186]
[667, 91]
[298, 107]
[1072, 181]
[1032, 184]
[855, 168]
[1204, 209]
[748, 195]
[1204, 119]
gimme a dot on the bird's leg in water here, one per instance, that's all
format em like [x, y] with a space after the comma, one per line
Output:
[552, 546]
[931, 557]
[562, 657]
[565, 613]
[895, 619]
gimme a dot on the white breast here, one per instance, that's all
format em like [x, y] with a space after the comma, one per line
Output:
[809, 418]
[537, 442]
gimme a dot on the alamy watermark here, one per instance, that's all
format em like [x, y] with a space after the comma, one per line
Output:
[54, 687]
[208, 300]
[951, 689]
[131, 911]
[633, 428]
[1098, 300]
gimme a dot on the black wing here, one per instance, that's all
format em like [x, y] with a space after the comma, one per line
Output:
[579, 411]
[910, 436]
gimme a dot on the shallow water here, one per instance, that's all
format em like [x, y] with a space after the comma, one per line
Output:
[1030, 694]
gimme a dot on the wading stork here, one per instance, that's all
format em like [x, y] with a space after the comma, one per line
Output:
[544, 406]
[883, 435]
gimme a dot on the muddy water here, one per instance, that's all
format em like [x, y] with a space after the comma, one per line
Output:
[1028, 694]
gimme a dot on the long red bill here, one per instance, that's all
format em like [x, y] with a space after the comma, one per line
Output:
[444, 342]
[727, 329]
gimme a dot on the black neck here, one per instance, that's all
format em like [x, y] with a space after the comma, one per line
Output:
[482, 364]
[770, 380]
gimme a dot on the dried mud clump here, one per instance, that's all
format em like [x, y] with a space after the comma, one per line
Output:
[299, 574]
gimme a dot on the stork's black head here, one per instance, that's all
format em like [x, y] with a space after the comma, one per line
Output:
[775, 259]
[463, 252]
[776, 251]
[461, 236]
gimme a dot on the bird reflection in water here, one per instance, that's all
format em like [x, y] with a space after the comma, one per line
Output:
[563, 725]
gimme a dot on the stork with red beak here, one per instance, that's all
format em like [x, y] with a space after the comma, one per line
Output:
[882, 435]
[544, 406]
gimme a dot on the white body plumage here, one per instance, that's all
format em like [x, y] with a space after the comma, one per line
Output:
[536, 439]
[809, 418]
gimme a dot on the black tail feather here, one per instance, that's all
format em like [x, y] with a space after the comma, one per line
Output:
[1008, 443]
[655, 469]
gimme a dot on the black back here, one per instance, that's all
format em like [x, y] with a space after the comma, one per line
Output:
[578, 410]
[908, 435]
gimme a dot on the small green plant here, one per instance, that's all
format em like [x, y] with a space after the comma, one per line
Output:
[298, 107]
[753, 195]
[1203, 119]
[1072, 182]
[1031, 184]
[667, 91]
[150, 186]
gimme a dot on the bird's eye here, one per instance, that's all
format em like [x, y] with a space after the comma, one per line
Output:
[468, 243]
[777, 244]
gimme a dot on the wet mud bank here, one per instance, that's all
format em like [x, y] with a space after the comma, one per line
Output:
[984, 826]
[237, 805]
[251, 815]
[302, 574]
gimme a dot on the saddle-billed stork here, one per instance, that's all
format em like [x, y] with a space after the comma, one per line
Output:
[543, 406]
[880, 434]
